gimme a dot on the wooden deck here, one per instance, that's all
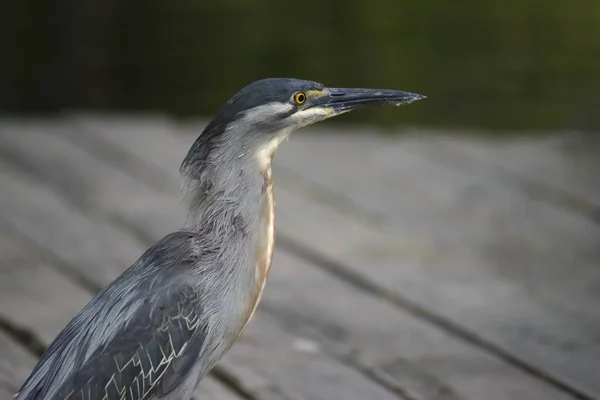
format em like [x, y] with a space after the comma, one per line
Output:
[425, 267]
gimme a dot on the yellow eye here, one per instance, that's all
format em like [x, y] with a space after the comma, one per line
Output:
[299, 98]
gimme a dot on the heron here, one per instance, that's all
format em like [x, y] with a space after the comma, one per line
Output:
[164, 323]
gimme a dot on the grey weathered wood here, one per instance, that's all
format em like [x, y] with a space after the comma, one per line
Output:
[412, 356]
[85, 187]
[317, 320]
[562, 166]
[15, 365]
[59, 228]
[516, 272]
[263, 354]
[37, 298]
[33, 295]
[275, 366]
[212, 389]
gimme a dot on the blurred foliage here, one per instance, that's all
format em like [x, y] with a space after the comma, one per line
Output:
[492, 64]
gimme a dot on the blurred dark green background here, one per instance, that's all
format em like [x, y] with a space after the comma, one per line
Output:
[482, 64]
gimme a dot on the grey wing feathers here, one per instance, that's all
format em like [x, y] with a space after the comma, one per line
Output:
[149, 358]
[137, 339]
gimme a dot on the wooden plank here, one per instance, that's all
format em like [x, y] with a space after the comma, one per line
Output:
[15, 365]
[87, 243]
[514, 272]
[34, 296]
[39, 299]
[562, 167]
[85, 190]
[299, 279]
[287, 374]
[412, 356]
[275, 366]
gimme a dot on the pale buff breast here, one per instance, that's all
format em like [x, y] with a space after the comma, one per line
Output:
[265, 251]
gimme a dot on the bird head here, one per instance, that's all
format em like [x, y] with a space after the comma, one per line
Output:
[261, 115]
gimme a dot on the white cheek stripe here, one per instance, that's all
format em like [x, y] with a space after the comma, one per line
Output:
[310, 116]
[297, 120]
[266, 109]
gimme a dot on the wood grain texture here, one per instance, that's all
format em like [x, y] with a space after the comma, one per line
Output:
[521, 274]
[274, 365]
[39, 213]
[33, 295]
[15, 365]
[42, 150]
[264, 353]
[314, 314]
[561, 167]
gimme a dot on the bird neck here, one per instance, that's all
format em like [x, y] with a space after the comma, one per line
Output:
[228, 180]
[228, 199]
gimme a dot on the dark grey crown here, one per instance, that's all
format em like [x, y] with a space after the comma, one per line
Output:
[268, 90]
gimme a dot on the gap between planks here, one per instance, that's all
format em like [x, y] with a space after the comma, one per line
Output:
[15, 364]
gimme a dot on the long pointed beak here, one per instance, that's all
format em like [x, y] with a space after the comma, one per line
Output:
[347, 99]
